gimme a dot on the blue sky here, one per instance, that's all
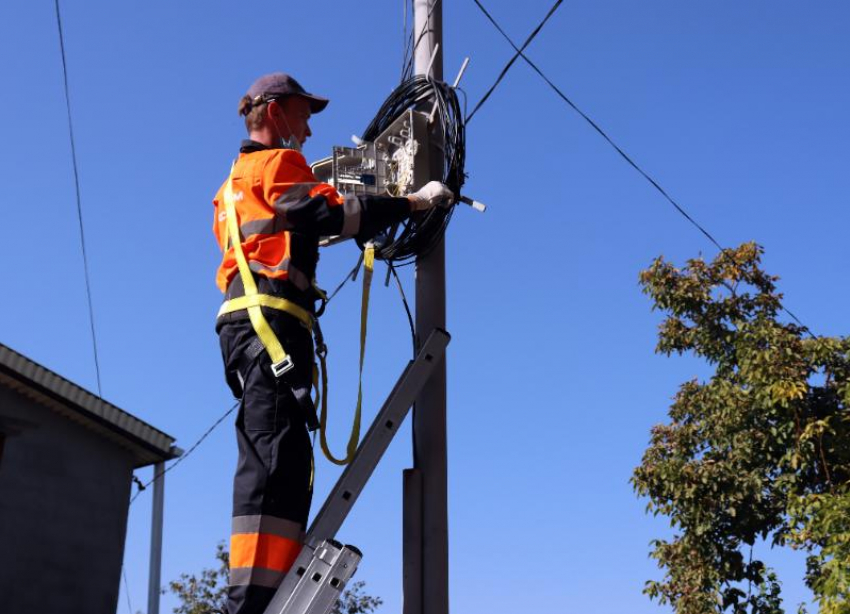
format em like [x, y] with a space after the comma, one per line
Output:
[737, 108]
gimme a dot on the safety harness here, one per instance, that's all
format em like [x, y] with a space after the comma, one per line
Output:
[266, 340]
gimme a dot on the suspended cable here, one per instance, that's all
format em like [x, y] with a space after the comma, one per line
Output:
[86, 268]
[594, 125]
[187, 453]
[406, 306]
[83, 238]
[617, 148]
[350, 276]
[126, 589]
[514, 58]
[79, 200]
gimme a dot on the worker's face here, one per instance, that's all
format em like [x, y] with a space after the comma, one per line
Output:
[292, 117]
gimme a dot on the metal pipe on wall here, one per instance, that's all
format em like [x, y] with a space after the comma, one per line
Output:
[155, 572]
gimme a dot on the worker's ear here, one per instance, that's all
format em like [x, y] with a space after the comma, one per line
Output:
[272, 110]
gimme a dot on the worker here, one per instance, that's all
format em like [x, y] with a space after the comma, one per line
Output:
[281, 211]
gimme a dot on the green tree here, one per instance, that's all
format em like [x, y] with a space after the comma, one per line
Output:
[355, 601]
[206, 593]
[758, 451]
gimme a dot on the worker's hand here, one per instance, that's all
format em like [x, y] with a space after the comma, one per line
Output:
[432, 194]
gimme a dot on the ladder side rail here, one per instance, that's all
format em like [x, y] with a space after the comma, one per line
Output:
[376, 441]
[296, 595]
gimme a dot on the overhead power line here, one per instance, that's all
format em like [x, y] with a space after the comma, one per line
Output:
[79, 200]
[594, 125]
[598, 129]
[514, 58]
[86, 267]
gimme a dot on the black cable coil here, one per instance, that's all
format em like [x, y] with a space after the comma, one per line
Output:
[422, 231]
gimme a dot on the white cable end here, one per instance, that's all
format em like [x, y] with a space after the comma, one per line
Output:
[478, 206]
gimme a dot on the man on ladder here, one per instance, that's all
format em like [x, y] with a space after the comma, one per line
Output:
[269, 215]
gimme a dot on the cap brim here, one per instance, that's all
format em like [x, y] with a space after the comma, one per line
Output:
[317, 103]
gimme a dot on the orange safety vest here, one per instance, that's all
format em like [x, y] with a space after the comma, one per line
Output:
[265, 184]
[263, 188]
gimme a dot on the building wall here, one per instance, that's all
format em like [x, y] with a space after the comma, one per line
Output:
[64, 494]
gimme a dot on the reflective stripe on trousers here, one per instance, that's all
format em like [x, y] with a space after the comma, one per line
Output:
[262, 549]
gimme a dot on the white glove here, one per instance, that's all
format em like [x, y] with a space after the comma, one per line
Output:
[430, 195]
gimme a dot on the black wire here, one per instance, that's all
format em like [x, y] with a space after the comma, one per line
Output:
[83, 237]
[126, 588]
[79, 200]
[617, 148]
[421, 233]
[406, 306]
[143, 487]
[408, 69]
[514, 58]
[407, 61]
[463, 91]
[405, 39]
[186, 454]
[593, 124]
[351, 275]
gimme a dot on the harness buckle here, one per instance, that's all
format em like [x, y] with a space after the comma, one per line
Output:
[279, 368]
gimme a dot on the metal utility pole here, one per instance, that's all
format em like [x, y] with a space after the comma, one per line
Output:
[154, 576]
[426, 534]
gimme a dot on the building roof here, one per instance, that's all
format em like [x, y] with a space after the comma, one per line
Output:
[147, 444]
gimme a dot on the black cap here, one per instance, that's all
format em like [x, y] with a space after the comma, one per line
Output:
[278, 84]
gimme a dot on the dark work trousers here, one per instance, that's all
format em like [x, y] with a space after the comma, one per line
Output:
[272, 488]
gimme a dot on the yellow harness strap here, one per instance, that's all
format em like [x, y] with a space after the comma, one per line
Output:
[354, 438]
[253, 301]
[266, 300]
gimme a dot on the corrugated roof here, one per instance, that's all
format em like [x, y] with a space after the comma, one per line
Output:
[148, 444]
